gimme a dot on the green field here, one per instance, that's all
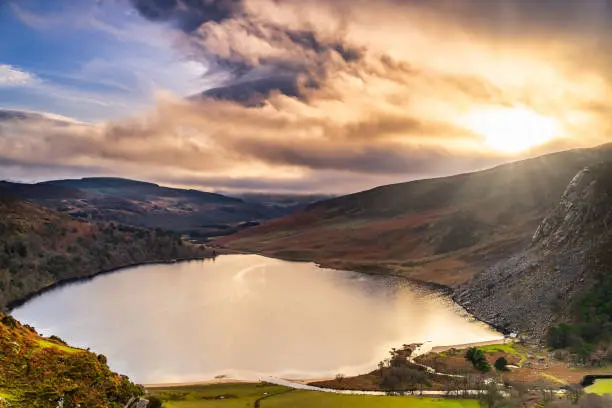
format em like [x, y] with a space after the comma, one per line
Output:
[247, 395]
[204, 396]
[307, 399]
[601, 387]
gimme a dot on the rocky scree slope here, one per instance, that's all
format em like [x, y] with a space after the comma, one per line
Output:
[537, 286]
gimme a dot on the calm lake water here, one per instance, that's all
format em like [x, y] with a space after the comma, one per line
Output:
[246, 316]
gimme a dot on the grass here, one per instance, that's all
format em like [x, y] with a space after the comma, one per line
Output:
[37, 372]
[42, 343]
[6, 396]
[307, 399]
[246, 395]
[239, 395]
[601, 387]
[508, 348]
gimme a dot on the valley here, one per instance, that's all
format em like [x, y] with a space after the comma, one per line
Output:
[491, 237]
[486, 238]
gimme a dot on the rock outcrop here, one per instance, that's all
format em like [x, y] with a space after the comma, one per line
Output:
[532, 289]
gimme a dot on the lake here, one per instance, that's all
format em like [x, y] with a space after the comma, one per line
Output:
[246, 316]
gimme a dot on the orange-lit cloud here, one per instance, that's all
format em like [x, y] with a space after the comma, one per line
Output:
[381, 92]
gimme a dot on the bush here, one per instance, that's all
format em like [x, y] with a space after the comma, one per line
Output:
[402, 379]
[154, 402]
[477, 357]
[501, 364]
[57, 339]
[561, 336]
[9, 321]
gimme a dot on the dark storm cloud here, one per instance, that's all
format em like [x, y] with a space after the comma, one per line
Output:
[253, 93]
[346, 94]
[276, 73]
[187, 14]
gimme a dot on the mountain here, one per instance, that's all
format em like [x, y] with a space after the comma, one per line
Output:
[516, 243]
[197, 213]
[568, 263]
[39, 372]
[441, 230]
[40, 247]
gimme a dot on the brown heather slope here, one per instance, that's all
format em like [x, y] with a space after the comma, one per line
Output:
[37, 372]
[39, 248]
[442, 231]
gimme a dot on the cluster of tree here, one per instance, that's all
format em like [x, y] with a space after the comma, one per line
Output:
[398, 375]
[477, 357]
[593, 323]
[38, 247]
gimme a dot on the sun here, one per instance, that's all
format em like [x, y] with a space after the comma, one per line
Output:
[513, 130]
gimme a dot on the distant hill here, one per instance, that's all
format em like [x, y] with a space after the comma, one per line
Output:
[442, 230]
[40, 247]
[39, 372]
[197, 213]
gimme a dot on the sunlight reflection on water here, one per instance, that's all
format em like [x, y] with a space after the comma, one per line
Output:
[246, 316]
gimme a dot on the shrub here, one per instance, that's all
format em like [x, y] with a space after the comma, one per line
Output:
[501, 364]
[477, 357]
[57, 339]
[9, 321]
[402, 379]
[154, 402]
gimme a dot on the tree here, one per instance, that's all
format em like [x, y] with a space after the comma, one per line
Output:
[477, 357]
[102, 358]
[474, 354]
[402, 379]
[491, 397]
[501, 364]
[339, 377]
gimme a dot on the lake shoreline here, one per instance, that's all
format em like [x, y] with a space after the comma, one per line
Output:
[435, 287]
[307, 381]
[429, 291]
[13, 304]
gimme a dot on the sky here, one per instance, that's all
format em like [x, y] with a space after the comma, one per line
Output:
[307, 96]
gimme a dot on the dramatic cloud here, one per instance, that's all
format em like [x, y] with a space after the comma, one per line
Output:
[337, 96]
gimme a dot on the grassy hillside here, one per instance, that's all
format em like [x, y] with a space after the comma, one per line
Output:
[36, 372]
[440, 230]
[39, 247]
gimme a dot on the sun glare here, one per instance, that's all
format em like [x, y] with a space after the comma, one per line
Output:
[513, 130]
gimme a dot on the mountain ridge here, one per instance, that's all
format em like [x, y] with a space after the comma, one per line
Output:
[145, 204]
[442, 230]
[473, 233]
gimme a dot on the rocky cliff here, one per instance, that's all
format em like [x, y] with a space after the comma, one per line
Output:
[537, 286]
